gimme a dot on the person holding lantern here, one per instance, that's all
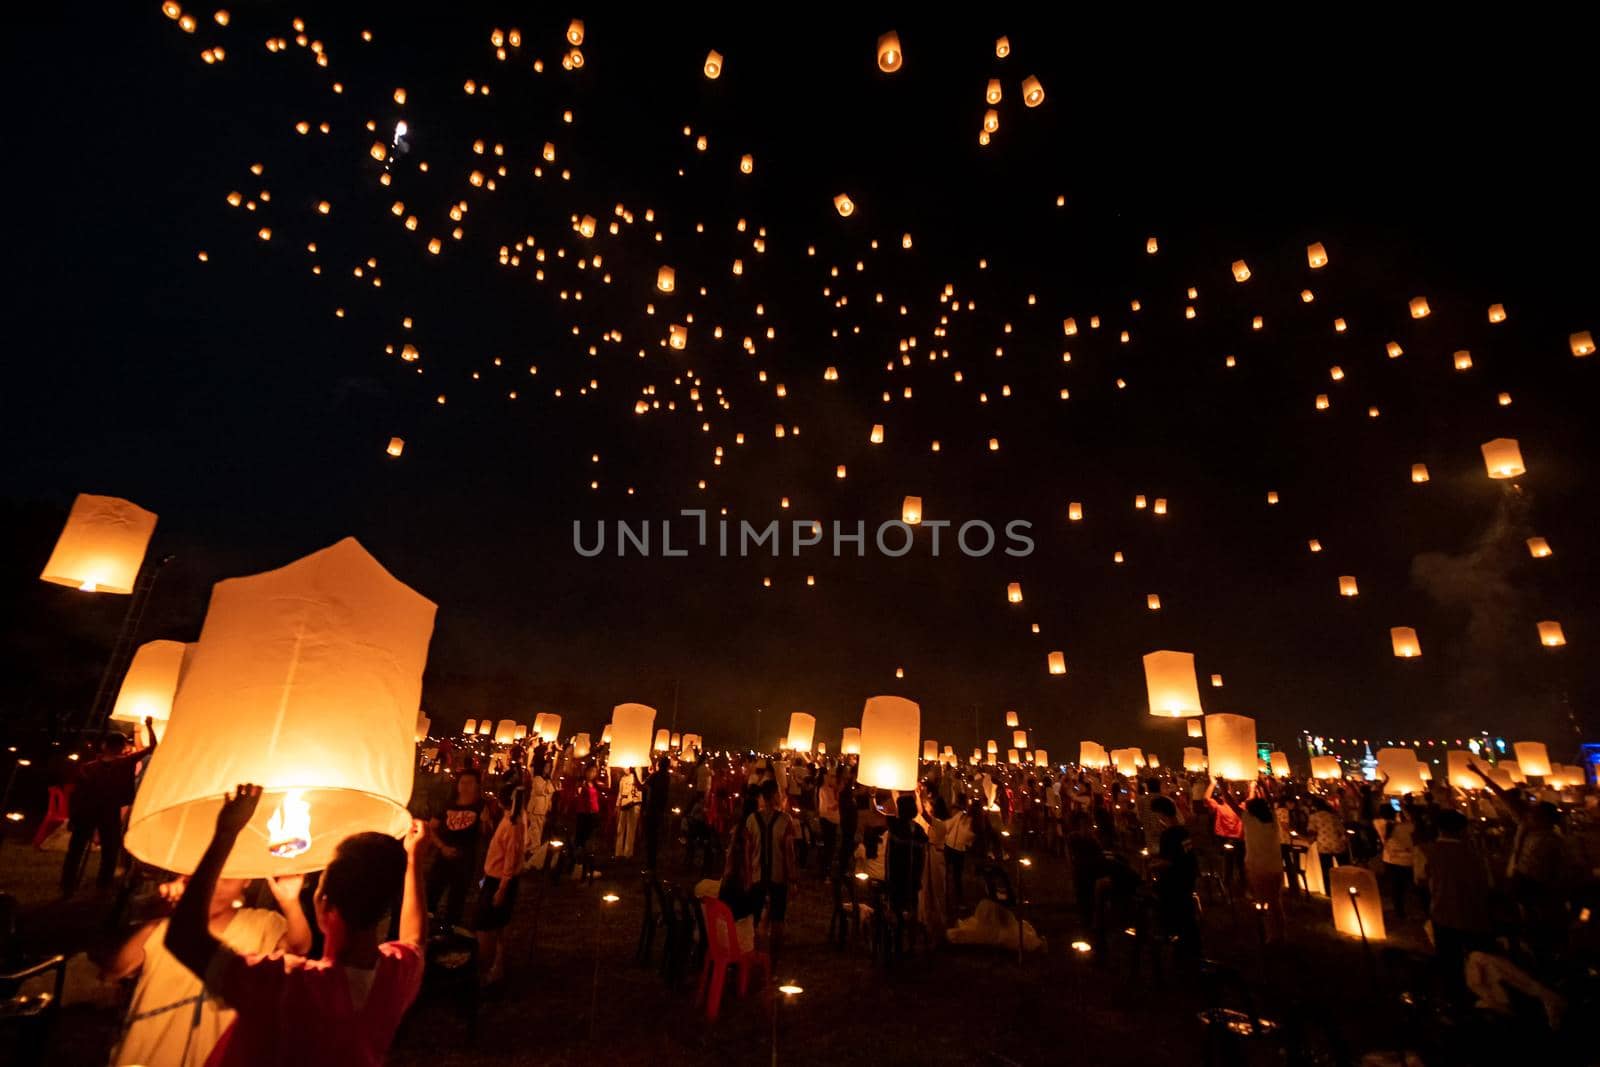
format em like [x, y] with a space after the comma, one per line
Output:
[105, 785]
[342, 1009]
[628, 798]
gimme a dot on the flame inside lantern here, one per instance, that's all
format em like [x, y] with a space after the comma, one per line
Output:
[289, 829]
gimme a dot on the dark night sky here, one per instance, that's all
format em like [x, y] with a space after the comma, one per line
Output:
[228, 398]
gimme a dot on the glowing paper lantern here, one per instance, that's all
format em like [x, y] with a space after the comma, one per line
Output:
[1357, 907]
[102, 545]
[1400, 764]
[1194, 759]
[844, 205]
[485, 727]
[605, 734]
[1170, 682]
[930, 750]
[850, 742]
[1326, 768]
[889, 730]
[150, 684]
[663, 741]
[1419, 473]
[1196, 728]
[548, 726]
[1550, 635]
[1419, 307]
[306, 681]
[1127, 761]
[1057, 662]
[1019, 738]
[1241, 271]
[1347, 585]
[631, 728]
[1458, 769]
[802, 728]
[1012, 722]
[666, 279]
[1279, 761]
[1533, 758]
[396, 446]
[1582, 343]
[470, 727]
[581, 746]
[1231, 746]
[1404, 640]
[1316, 255]
[713, 65]
[505, 731]
[1503, 458]
[1014, 593]
[1032, 91]
[1093, 755]
[423, 728]
[889, 55]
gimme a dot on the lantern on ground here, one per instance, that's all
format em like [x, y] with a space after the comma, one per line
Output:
[1357, 907]
[1533, 758]
[306, 681]
[1400, 764]
[1057, 662]
[1170, 683]
[889, 730]
[1011, 720]
[1196, 728]
[102, 545]
[150, 684]
[850, 742]
[889, 55]
[1326, 768]
[631, 729]
[1550, 635]
[1231, 746]
[1404, 640]
[1503, 458]
[802, 728]
[1279, 762]
[911, 510]
[470, 727]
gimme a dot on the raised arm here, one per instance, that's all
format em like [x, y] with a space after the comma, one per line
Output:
[413, 912]
[297, 930]
[189, 934]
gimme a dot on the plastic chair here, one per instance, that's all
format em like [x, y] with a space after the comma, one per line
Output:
[54, 816]
[722, 952]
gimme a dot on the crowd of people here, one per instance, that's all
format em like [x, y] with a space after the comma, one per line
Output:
[1496, 880]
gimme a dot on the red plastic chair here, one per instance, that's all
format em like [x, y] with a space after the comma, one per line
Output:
[722, 952]
[54, 815]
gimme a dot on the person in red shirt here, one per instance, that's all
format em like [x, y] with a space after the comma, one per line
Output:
[342, 1009]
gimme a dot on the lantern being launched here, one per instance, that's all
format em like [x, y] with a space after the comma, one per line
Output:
[850, 741]
[1194, 759]
[1170, 681]
[102, 545]
[305, 680]
[1326, 768]
[889, 730]
[1533, 758]
[151, 684]
[289, 828]
[632, 728]
[1231, 746]
[802, 728]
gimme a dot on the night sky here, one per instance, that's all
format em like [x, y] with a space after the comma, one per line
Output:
[227, 396]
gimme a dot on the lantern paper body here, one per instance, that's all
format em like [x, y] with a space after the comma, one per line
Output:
[1533, 758]
[505, 731]
[1194, 759]
[470, 727]
[1280, 764]
[424, 726]
[889, 730]
[307, 680]
[1401, 765]
[1092, 754]
[548, 727]
[1041, 757]
[538, 724]
[930, 750]
[911, 510]
[605, 734]
[1057, 662]
[1358, 913]
[850, 741]
[1458, 769]
[1170, 682]
[1326, 768]
[1231, 746]
[889, 55]
[1196, 728]
[102, 545]
[1019, 738]
[1502, 457]
[1404, 640]
[1013, 756]
[663, 741]
[151, 684]
[631, 728]
[1551, 635]
[521, 732]
[802, 728]
[1127, 761]
[581, 746]
[485, 727]
[1012, 721]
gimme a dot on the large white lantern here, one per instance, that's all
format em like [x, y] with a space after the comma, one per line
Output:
[1533, 758]
[1231, 746]
[151, 684]
[890, 727]
[1326, 768]
[802, 729]
[102, 545]
[548, 727]
[1194, 759]
[850, 742]
[1459, 771]
[1092, 754]
[632, 727]
[1170, 681]
[1400, 764]
[505, 731]
[1357, 907]
[306, 681]
[1279, 762]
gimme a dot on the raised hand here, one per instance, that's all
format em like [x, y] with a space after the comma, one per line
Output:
[238, 808]
[286, 888]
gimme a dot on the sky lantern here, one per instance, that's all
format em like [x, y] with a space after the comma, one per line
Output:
[581, 746]
[548, 727]
[1011, 720]
[1014, 593]
[306, 681]
[424, 727]
[930, 750]
[1074, 512]
[1241, 271]
[663, 741]
[890, 57]
[993, 748]
[1152, 601]
[1002, 46]
[1533, 758]
[713, 64]
[469, 727]
[1539, 548]
[666, 279]
[1405, 642]
[1419, 307]
[802, 728]
[1347, 585]
[396, 446]
[1497, 313]
[605, 734]
[575, 32]
[911, 510]
[1127, 761]
[1462, 359]
[632, 727]
[1092, 755]
[1032, 91]
[876, 436]
[1582, 343]
[1279, 762]
[1419, 473]
[1458, 764]
[1550, 635]
[521, 732]
[1401, 765]
[102, 545]
[485, 727]
[1019, 739]
[1196, 727]
[1170, 682]
[1216, 681]
[1194, 759]
[1231, 746]
[1057, 662]
[150, 684]
[992, 93]
[747, 163]
[538, 723]
[1357, 907]
[505, 731]
[1503, 458]
[844, 205]
[890, 727]
[1316, 255]
[1326, 768]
